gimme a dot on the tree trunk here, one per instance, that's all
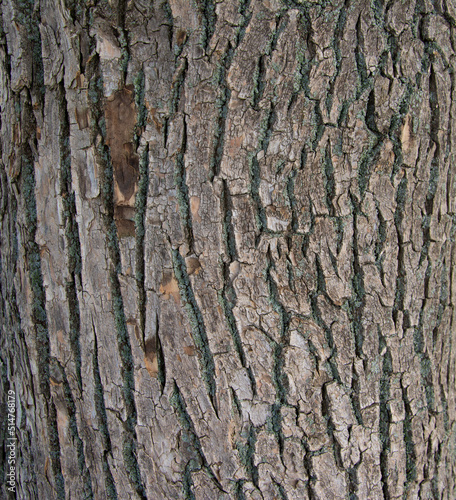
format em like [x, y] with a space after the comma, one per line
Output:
[227, 249]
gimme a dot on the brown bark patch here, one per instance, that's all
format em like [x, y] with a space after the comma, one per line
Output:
[195, 202]
[169, 287]
[181, 37]
[125, 228]
[120, 115]
[153, 114]
[193, 265]
[189, 350]
[150, 358]
[82, 117]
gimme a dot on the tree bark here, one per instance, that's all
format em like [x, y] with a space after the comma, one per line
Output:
[227, 248]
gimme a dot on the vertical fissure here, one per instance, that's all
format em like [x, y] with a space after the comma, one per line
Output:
[224, 96]
[401, 279]
[435, 163]
[180, 181]
[58, 371]
[246, 453]
[177, 84]
[207, 11]
[190, 445]
[197, 327]
[73, 245]
[123, 38]
[385, 414]
[100, 408]
[357, 301]
[330, 428]
[410, 450]
[54, 448]
[338, 34]
[279, 376]
[254, 167]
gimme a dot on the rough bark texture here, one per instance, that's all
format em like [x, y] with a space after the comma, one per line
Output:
[227, 248]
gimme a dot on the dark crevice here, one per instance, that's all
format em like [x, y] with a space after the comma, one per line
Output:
[370, 117]
[316, 315]
[29, 104]
[338, 34]
[435, 163]
[326, 413]
[380, 243]
[180, 181]
[305, 56]
[420, 346]
[357, 301]
[226, 207]
[369, 157]
[58, 370]
[168, 14]
[259, 75]
[246, 453]
[329, 181]
[330, 188]
[265, 133]
[353, 481]
[190, 445]
[223, 99]
[221, 104]
[343, 115]
[139, 86]
[308, 234]
[102, 420]
[161, 366]
[410, 451]
[28, 15]
[377, 9]
[364, 80]
[308, 466]
[266, 129]
[54, 448]
[140, 231]
[235, 403]
[435, 477]
[395, 129]
[385, 414]
[123, 38]
[227, 300]
[318, 126]
[258, 82]
[401, 279]
[176, 87]
[355, 396]
[165, 131]
[254, 174]
[292, 201]
[443, 302]
[281, 492]
[71, 232]
[198, 329]
[279, 375]
[207, 12]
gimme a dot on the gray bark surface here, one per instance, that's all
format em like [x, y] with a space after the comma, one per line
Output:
[228, 248]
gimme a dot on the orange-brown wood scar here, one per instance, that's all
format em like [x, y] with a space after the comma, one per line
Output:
[120, 115]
